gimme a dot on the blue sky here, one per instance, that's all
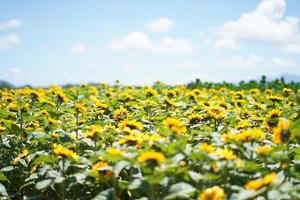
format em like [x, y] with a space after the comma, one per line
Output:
[139, 42]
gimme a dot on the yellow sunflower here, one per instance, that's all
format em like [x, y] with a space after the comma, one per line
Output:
[213, 193]
[151, 156]
[281, 133]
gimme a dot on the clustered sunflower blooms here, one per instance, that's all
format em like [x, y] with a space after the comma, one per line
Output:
[202, 141]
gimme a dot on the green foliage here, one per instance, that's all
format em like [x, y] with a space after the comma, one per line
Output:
[238, 141]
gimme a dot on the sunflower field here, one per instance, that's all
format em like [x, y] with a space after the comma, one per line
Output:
[150, 143]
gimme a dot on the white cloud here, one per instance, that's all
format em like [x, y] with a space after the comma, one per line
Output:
[226, 43]
[140, 42]
[132, 41]
[250, 60]
[189, 64]
[293, 47]
[280, 62]
[10, 24]
[9, 41]
[160, 25]
[267, 23]
[78, 49]
[254, 61]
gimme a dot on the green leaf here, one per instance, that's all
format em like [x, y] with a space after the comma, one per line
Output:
[136, 184]
[45, 159]
[3, 177]
[3, 191]
[120, 166]
[105, 195]
[7, 169]
[179, 190]
[43, 184]
[295, 128]
[5, 114]
[248, 194]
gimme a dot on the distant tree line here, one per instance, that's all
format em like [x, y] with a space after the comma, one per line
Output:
[263, 83]
[4, 84]
[279, 83]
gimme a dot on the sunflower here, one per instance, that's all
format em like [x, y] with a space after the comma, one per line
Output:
[61, 152]
[239, 95]
[243, 124]
[215, 112]
[150, 92]
[131, 124]
[207, 148]
[102, 168]
[151, 157]
[2, 128]
[169, 103]
[80, 107]
[287, 91]
[274, 98]
[23, 154]
[194, 119]
[281, 133]
[100, 105]
[114, 151]
[53, 121]
[132, 139]
[225, 153]
[213, 193]
[259, 183]
[94, 131]
[263, 149]
[125, 97]
[272, 119]
[120, 114]
[175, 125]
[62, 97]
[44, 112]
[255, 92]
